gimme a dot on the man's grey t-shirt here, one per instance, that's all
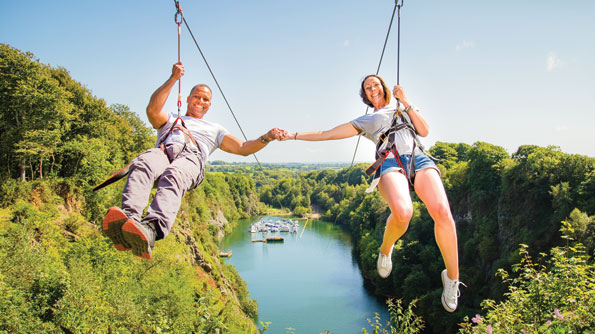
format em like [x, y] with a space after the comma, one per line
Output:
[208, 135]
[376, 123]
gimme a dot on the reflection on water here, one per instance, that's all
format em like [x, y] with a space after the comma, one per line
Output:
[310, 282]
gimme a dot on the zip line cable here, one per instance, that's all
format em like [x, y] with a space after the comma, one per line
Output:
[214, 78]
[183, 19]
[179, 22]
[398, 38]
[397, 6]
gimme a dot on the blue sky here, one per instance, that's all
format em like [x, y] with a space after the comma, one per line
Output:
[504, 72]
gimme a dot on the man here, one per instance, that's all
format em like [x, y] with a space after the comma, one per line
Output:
[177, 162]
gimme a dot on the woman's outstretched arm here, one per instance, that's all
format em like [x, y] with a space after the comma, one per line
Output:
[339, 132]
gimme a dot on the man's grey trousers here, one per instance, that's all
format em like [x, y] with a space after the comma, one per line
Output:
[184, 172]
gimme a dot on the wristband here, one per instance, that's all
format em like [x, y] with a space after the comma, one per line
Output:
[295, 137]
[411, 106]
[262, 140]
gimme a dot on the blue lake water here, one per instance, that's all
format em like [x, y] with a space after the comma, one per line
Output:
[310, 282]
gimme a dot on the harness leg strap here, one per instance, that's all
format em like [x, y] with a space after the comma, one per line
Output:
[374, 167]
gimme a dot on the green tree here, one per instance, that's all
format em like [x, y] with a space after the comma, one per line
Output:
[34, 109]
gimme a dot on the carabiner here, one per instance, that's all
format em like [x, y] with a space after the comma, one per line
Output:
[178, 13]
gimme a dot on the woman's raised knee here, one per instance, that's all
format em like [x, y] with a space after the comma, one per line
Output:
[402, 213]
[402, 224]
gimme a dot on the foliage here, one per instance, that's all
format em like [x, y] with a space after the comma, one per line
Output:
[58, 273]
[54, 127]
[401, 321]
[498, 202]
[554, 295]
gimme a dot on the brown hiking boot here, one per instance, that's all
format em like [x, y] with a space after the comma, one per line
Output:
[140, 236]
[112, 227]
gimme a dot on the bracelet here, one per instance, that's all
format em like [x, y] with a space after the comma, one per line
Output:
[409, 108]
[295, 137]
[262, 140]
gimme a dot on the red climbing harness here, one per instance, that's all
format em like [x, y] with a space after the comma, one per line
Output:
[386, 144]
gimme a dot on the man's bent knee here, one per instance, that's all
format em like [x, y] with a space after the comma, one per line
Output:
[184, 179]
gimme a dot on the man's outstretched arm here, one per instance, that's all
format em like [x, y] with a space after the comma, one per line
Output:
[157, 116]
[233, 145]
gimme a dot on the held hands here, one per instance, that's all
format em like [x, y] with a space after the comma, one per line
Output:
[274, 134]
[279, 134]
[288, 135]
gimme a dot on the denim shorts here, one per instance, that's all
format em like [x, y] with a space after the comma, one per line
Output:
[422, 161]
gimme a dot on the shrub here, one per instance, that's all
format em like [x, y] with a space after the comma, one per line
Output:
[557, 296]
[401, 321]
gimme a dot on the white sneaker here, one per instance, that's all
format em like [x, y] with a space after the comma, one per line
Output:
[450, 292]
[385, 264]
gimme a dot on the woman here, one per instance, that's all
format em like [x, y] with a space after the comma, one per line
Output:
[394, 183]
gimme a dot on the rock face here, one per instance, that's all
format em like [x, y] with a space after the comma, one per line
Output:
[185, 235]
[219, 222]
[205, 261]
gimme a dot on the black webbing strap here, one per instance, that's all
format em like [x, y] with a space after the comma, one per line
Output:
[188, 138]
[115, 177]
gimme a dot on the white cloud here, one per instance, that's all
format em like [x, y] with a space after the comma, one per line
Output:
[465, 45]
[346, 43]
[561, 128]
[553, 61]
